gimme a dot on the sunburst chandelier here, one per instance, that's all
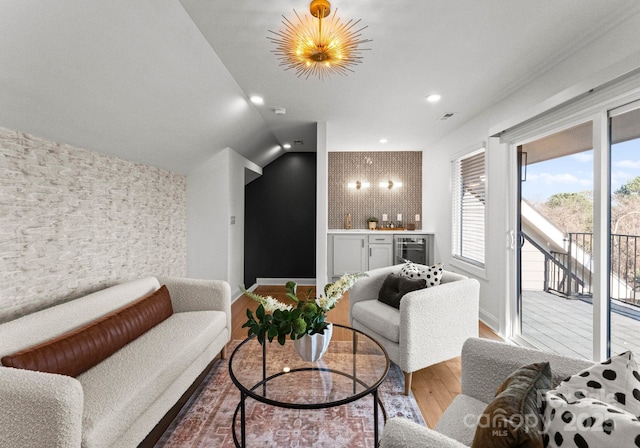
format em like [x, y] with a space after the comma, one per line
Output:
[319, 45]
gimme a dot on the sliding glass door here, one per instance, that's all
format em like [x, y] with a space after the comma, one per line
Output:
[624, 242]
[578, 223]
[574, 224]
[555, 235]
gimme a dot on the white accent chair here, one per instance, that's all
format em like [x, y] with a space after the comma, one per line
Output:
[430, 326]
[485, 365]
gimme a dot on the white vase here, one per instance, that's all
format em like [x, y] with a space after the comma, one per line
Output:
[312, 347]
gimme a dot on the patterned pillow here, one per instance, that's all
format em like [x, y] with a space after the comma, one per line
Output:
[616, 381]
[587, 422]
[432, 274]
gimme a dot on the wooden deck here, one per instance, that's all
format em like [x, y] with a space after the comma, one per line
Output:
[564, 326]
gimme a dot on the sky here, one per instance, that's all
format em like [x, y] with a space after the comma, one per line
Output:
[574, 173]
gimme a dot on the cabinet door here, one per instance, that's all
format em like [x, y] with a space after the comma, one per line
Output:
[380, 255]
[349, 254]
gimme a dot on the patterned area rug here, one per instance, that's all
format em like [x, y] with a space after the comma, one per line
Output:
[205, 421]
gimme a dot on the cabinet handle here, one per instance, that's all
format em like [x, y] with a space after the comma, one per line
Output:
[362, 243]
[369, 251]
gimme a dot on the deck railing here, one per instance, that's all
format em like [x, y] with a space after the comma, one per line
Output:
[570, 272]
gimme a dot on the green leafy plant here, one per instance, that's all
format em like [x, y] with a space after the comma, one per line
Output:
[276, 320]
[372, 219]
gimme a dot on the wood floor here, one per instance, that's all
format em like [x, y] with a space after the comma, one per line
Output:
[433, 387]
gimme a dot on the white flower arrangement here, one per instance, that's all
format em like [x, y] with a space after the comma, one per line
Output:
[269, 303]
[335, 291]
[276, 319]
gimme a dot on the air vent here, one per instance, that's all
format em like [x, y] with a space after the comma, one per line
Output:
[446, 116]
[298, 142]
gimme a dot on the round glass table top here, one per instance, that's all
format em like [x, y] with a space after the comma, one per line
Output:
[353, 366]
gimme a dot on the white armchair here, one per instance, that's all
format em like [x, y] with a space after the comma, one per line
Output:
[430, 326]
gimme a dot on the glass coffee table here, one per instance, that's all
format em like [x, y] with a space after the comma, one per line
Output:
[354, 366]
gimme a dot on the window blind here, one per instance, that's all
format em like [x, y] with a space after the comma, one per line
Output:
[468, 207]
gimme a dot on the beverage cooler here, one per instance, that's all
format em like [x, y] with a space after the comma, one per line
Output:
[416, 248]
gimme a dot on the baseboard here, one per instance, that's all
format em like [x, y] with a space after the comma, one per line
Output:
[236, 295]
[283, 281]
[490, 321]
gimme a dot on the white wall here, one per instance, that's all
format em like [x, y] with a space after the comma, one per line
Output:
[322, 206]
[235, 266]
[605, 56]
[208, 206]
[215, 193]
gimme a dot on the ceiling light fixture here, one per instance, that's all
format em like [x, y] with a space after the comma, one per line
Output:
[383, 140]
[319, 47]
[257, 100]
[287, 146]
[434, 97]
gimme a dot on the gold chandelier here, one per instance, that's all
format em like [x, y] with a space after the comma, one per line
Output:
[319, 47]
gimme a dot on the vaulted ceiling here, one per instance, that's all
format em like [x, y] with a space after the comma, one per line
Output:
[167, 82]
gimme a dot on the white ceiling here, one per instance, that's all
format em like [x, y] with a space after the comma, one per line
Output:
[166, 83]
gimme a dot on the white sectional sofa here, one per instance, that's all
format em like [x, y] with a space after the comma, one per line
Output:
[119, 401]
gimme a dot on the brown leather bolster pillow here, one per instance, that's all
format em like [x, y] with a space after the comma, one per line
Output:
[77, 351]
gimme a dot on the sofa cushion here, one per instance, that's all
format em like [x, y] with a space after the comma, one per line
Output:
[512, 419]
[400, 432]
[74, 352]
[52, 322]
[122, 387]
[460, 418]
[378, 317]
[395, 287]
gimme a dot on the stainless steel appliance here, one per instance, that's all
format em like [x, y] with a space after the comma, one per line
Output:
[412, 248]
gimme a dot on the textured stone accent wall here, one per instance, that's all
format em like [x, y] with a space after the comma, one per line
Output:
[74, 221]
[374, 167]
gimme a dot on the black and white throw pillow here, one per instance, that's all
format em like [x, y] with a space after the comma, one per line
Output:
[615, 381]
[587, 422]
[432, 274]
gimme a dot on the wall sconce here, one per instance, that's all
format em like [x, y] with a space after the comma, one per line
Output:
[390, 184]
[358, 185]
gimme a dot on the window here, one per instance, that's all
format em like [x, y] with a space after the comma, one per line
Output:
[468, 207]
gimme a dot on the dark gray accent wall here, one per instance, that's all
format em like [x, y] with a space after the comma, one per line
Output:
[280, 220]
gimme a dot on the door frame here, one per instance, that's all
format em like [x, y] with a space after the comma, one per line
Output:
[592, 105]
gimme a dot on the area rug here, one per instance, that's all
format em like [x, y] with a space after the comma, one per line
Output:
[206, 419]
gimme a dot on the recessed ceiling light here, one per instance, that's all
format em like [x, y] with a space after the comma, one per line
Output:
[287, 146]
[257, 100]
[383, 140]
[434, 97]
